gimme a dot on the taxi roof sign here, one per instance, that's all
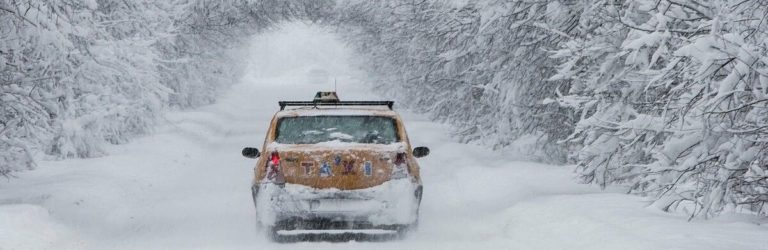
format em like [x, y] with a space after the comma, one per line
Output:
[326, 96]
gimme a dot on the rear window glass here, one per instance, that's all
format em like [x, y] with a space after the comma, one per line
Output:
[316, 129]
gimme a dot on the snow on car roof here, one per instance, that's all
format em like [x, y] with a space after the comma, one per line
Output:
[322, 111]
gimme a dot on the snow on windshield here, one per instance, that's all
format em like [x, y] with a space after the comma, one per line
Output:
[317, 129]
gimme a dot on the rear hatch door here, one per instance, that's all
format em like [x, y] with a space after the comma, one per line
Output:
[342, 167]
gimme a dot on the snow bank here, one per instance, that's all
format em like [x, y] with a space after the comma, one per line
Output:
[25, 226]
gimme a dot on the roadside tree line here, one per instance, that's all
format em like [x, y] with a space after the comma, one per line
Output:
[668, 98]
[76, 75]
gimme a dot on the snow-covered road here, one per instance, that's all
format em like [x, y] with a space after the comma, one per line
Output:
[186, 186]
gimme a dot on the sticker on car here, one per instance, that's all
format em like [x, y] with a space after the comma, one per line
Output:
[325, 170]
[337, 160]
[307, 166]
[349, 167]
[368, 168]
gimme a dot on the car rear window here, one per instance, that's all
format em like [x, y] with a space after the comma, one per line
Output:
[316, 129]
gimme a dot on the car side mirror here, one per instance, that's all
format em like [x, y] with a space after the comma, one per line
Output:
[419, 152]
[251, 152]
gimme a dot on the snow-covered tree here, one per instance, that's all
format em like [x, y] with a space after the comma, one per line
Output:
[75, 74]
[479, 65]
[666, 97]
[671, 96]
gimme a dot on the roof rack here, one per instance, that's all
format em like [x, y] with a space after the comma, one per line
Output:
[284, 104]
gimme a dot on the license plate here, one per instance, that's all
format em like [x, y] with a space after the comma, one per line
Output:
[344, 205]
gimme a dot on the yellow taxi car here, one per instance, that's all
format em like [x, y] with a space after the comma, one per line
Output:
[330, 166]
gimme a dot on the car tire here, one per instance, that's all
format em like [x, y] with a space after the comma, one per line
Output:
[254, 193]
[403, 232]
[272, 235]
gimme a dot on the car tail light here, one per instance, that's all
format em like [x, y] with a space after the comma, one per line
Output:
[400, 159]
[274, 170]
[400, 169]
[275, 158]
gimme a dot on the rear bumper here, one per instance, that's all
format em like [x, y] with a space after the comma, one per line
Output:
[395, 202]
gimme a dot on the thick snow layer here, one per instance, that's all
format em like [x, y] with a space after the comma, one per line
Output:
[392, 203]
[26, 226]
[333, 231]
[332, 110]
[337, 145]
[187, 187]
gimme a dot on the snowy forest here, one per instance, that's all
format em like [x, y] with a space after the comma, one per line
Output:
[77, 74]
[668, 98]
[665, 98]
